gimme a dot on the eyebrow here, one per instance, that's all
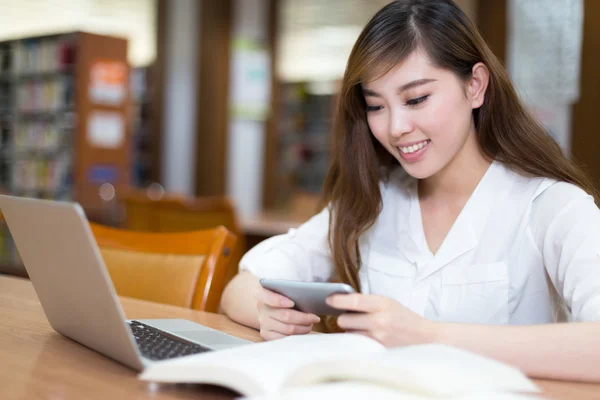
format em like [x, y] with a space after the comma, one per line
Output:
[406, 86]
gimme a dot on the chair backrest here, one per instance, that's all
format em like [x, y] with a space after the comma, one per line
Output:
[176, 213]
[186, 269]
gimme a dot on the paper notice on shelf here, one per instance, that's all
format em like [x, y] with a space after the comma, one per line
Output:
[108, 82]
[250, 81]
[106, 129]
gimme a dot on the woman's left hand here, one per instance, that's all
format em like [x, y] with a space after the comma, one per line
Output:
[383, 319]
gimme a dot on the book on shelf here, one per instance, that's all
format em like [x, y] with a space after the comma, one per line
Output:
[38, 175]
[271, 368]
[50, 94]
[38, 100]
[51, 54]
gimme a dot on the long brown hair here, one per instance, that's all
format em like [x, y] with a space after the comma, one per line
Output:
[505, 130]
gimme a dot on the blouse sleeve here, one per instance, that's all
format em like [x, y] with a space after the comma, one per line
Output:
[301, 254]
[565, 224]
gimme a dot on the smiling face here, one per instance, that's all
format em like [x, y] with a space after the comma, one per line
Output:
[422, 114]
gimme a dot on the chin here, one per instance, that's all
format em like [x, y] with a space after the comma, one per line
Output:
[419, 170]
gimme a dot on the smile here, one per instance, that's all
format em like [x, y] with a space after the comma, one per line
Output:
[415, 147]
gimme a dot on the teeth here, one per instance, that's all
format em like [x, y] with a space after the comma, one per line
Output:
[413, 148]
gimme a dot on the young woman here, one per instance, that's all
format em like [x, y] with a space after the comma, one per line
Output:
[449, 208]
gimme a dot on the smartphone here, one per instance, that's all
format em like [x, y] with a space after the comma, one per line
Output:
[308, 297]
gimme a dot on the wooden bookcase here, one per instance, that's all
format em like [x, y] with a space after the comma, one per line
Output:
[65, 130]
[142, 93]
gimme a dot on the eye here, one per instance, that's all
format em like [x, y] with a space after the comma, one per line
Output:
[419, 100]
[373, 108]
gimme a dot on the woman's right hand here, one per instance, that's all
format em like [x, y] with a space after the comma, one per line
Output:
[277, 319]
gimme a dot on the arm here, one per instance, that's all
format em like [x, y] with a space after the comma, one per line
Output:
[301, 254]
[239, 299]
[556, 351]
[565, 227]
[247, 303]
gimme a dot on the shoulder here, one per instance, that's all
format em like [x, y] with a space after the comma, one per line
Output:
[518, 180]
[553, 196]
[563, 205]
[548, 199]
[544, 192]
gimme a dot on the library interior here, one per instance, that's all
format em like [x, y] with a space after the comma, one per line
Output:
[213, 119]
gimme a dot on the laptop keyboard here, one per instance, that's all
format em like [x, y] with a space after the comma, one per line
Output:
[160, 345]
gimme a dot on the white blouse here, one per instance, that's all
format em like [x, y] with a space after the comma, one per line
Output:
[522, 251]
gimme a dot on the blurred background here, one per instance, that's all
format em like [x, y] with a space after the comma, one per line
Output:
[222, 109]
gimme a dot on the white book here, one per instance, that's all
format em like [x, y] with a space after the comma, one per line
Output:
[268, 368]
[363, 390]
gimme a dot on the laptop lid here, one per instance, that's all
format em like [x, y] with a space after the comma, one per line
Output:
[64, 263]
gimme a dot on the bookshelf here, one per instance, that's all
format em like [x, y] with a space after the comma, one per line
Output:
[141, 92]
[304, 143]
[64, 122]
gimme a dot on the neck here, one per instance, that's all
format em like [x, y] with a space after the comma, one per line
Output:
[460, 177]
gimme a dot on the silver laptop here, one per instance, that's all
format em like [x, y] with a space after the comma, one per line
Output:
[72, 283]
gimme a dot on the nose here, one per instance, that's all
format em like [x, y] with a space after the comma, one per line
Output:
[400, 123]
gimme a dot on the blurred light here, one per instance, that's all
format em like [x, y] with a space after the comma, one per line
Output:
[321, 88]
[316, 37]
[107, 192]
[319, 54]
[155, 191]
[132, 19]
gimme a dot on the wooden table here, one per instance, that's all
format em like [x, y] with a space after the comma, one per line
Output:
[38, 363]
[265, 225]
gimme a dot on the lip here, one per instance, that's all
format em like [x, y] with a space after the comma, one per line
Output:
[417, 155]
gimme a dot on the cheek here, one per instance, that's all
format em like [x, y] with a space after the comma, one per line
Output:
[378, 128]
[447, 120]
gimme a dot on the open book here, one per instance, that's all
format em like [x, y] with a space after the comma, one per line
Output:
[364, 390]
[271, 367]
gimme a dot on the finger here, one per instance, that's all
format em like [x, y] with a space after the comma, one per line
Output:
[286, 329]
[273, 299]
[355, 322]
[294, 317]
[357, 302]
[270, 335]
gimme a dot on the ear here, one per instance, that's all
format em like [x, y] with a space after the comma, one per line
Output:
[480, 77]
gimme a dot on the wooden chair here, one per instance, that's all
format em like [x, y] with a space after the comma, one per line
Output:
[177, 213]
[186, 269]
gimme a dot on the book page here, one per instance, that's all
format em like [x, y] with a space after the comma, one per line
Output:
[425, 369]
[363, 390]
[341, 390]
[262, 367]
